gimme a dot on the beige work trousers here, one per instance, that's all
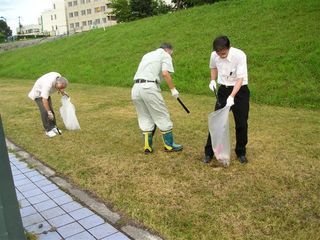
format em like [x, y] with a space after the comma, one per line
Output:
[150, 106]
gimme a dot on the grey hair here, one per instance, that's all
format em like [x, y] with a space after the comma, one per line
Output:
[62, 80]
[166, 45]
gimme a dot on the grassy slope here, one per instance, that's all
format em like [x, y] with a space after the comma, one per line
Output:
[275, 196]
[280, 37]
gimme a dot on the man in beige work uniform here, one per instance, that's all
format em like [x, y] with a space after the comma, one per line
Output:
[146, 95]
[40, 93]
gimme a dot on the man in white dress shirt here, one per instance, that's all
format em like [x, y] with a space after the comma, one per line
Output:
[40, 93]
[229, 67]
[147, 98]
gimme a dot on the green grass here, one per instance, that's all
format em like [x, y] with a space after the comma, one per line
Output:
[280, 37]
[275, 196]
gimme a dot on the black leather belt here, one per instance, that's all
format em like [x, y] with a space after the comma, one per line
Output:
[231, 86]
[143, 81]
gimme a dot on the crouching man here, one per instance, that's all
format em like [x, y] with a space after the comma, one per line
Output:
[146, 95]
[40, 93]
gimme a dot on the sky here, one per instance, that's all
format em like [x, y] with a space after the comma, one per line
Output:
[28, 10]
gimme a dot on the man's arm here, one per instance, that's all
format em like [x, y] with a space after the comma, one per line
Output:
[166, 75]
[214, 73]
[46, 104]
[236, 87]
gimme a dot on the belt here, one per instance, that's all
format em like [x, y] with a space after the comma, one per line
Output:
[143, 81]
[226, 86]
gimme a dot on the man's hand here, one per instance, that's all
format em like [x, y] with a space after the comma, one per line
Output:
[50, 115]
[230, 101]
[213, 85]
[174, 93]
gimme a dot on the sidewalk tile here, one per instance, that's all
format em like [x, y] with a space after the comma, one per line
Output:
[70, 229]
[21, 165]
[32, 174]
[32, 219]
[26, 211]
[39, 227]
[19, 195]
[63, 199]
[50, 236]
[71, 206]
[81, 236]
[24, 203]
[43, 182]
[91, 221]
[19, 177]
[32, 193]
[61, 220]
[27, 187]
[45, 205]
[37, 178]
[52, 213]
[117, 236]
[22, 182]
[81, 213]
[15, 172]
[39, 198]
[102, 231]
[49, 188]
[56, 193]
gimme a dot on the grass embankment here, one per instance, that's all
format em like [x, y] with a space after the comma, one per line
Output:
[280, 37]
[275, 196]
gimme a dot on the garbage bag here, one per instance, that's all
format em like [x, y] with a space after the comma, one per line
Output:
[219, 132]
[68, 114]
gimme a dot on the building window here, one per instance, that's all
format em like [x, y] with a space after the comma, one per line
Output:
[56, 27]
[87, 1]
[55, 17]
[69, 4]
[51, 17]
[77, 24]
[54, 6]
[103, 8]
[97, 21]
[88, 11]
[71, 25]
[52, 27]
[82, 1]
[83, 12]
[84, 23]
[90, 22]
[71, 14]
[76, 14]
[104, 20]
[75, 3]
[111, 18]
[97, 9]
[108, 5]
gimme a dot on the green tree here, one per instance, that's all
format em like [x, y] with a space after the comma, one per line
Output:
[122, 10]
[141, 8]
[191, 3]
[5, 30]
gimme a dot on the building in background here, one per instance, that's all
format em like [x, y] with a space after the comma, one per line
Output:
[29, 30]
[72, 16]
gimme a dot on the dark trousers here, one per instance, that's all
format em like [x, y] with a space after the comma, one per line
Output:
[47, 123]
[240, 111]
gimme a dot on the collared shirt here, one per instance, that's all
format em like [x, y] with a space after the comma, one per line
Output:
[152, 65]
[231, 68]
[44, 86]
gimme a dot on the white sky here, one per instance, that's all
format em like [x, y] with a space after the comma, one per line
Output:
[28, 10]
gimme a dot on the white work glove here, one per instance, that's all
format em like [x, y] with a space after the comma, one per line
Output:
[230, 101]
[174, 93]
[213, 85]
[50, 115]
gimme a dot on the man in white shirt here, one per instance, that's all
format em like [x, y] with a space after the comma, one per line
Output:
[40, 93]
[146, 95]
[229, 67]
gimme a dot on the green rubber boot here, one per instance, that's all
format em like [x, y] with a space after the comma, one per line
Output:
[169, 144]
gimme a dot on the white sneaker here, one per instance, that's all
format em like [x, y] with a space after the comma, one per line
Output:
[56, 130]
[51, 133]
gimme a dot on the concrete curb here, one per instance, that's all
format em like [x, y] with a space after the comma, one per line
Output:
[98, 207]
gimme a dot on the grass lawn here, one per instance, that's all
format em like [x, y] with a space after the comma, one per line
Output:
[275, 196]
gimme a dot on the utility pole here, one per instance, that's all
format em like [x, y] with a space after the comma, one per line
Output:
[20, 25]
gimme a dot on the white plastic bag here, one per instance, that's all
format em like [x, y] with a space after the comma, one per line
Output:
[220, 137]
[68, 114]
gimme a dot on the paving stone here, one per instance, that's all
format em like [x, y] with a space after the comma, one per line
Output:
[21, 165]
[81, 213]
[56, 193]
[22, 182]
[19, 177]
[39, 198]
[61, 220]
[71, 206]
[24, 203]
[91, 221]
[26, 211]
[70, 229]
[43, 182]
[37, 178]
[32, 174]
[50, 236]
[39, 227]
[63, 199]
[45, 205]
[31, 193]
[117, 236]
[49, 188]
[32, 219]
[19, 196]
[15, 172]
[102, 231]
[52, 213]
[81, 236]
[27, 187]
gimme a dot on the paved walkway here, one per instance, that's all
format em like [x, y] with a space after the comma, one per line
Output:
[51, 214]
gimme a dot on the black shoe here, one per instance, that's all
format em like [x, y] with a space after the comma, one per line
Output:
[207, 159]
[243, 159]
